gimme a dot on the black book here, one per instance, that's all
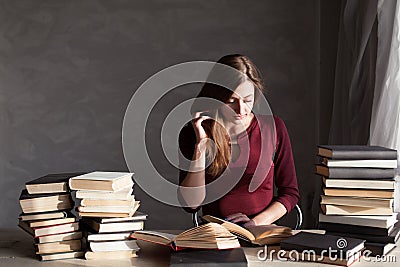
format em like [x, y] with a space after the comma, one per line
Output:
[329, 244]
[356, 152]
[379, 248]
[356, 173]
[51, 183]
[209, 257]
[354, 229]
[391, 238]
[25, 195]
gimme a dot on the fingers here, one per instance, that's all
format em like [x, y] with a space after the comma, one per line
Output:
[237, 217]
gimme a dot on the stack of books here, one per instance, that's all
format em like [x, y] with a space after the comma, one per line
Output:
[358, 194]
[46, 205]
[109, 213]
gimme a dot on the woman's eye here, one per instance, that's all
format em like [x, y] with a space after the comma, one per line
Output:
[248, 101]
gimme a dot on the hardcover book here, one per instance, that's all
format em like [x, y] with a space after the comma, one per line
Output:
[373, 221]
[355, 173]
[101, 181]
[352, 210]
[358, 184]
[50, 183]
[356, 152]
[230, 257]
[317, 242]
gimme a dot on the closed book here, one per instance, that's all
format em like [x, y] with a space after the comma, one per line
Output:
[44, 202]
[137, 216]
[358, 201]
[319, 243]
[107, 255]
[50, 183]
[109, 209]
[356, 229]
[58, 237]
[56, 229]
[43, 216]
[373, 221]
[58, 247]
[359, 192]
[112, 213]
[113, 227]
[61, 256]
[108, 236]
[349, 260]
[358, 184]
[356, 152]
[35, 224]
[108, 202]
[114, 245]
[124, 194]
[200, 257]
[391, 238]
[352, 210]
[363, 163]
[101, 181]
[379, 249]
[355, 173]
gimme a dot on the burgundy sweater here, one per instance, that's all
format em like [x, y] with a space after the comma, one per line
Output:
[281, 170]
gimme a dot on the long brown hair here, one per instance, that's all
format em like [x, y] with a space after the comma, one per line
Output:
[219, 153]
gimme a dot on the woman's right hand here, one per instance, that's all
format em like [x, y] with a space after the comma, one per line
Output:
[201, 134]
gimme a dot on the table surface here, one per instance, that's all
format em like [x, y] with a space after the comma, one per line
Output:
[16, 249]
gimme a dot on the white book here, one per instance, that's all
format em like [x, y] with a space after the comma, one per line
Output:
[362, 184]
[114, 227]
[61, 256]
[370, 163]
[138, 216]
[123, 194]
[372, 221]
[108, 236]
[114, 245]
[108, 209]
[59, 237]
[101, 181]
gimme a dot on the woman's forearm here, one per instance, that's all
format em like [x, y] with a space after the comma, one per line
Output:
[272, 213]
[192, 188]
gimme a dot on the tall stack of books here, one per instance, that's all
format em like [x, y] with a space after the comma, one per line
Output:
[358, 194]
[109, 212]
[46, 205]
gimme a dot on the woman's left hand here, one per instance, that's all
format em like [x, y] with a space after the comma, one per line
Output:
[240, 218]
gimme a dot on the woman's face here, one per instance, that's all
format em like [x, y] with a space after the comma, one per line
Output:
[237, 109]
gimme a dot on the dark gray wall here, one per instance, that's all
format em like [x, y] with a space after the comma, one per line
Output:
[69, 68]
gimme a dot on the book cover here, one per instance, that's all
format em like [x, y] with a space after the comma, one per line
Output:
[355, 173]
[374, 193]
[355, 229]
[383, 239]
[358, 201]
[232, 257]
[380, 249]
[318, 242]
[356, 152]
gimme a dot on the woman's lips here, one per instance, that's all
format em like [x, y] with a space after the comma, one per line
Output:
[240, 117]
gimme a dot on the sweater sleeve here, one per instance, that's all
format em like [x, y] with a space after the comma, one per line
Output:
[285, 172]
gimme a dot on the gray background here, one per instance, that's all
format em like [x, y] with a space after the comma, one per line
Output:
[69, 68]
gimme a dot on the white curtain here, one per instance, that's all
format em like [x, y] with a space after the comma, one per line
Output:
[385, 117]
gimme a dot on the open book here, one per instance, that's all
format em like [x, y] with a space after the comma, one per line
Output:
[258, 235]
[206, 236]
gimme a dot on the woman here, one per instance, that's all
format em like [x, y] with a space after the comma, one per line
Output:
[227, 126]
